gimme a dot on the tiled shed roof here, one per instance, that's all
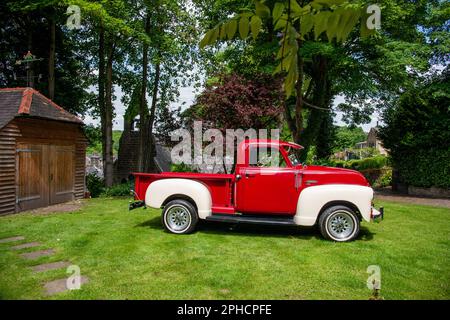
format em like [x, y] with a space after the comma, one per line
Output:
[16, 102]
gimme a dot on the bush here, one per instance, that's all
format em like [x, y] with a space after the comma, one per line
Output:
[118, 190]
[384, 180]
[94, 184]
[376, 162]
[182, 167]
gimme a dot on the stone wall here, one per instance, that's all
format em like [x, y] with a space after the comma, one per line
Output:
[432, 192]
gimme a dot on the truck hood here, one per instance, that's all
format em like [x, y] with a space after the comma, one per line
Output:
[332, 175]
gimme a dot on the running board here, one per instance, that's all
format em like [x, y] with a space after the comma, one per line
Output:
[251, 219]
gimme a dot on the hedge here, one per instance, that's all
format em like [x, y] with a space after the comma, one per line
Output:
[425, 168]
[118, 190]
[376, 162]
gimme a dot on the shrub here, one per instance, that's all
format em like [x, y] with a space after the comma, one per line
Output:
[94, 184]
[182, 167]
[384, 180]
[376, 162]
[118, 190]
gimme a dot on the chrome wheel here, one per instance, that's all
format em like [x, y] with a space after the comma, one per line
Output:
[178, 218]
[341, 225]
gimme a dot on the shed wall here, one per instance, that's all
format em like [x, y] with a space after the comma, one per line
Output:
[39, 131]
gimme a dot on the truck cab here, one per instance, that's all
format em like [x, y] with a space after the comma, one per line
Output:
[269, 186]
[270, 170]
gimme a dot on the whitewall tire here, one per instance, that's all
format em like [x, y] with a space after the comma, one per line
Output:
[179, 216]
[339, 223]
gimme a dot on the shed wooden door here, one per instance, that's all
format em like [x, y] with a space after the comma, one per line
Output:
[45, 175]
[31, 169]
[61, 170]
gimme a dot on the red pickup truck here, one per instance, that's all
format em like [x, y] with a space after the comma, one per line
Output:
[269, 186]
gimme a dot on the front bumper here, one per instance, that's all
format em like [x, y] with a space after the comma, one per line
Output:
[377, 215]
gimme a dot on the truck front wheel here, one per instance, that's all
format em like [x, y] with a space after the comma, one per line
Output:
[339, 223]
[179, 216]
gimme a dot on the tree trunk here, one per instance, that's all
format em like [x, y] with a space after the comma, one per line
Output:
[108, 166]
[320, 98]
[288, 117]
[101, 90]
[296, 124]
[299, 104]
[51, 57]
[150, 163]
[326, 137]
[144, 136]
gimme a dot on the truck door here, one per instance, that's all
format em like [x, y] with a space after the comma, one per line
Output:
[267, 185]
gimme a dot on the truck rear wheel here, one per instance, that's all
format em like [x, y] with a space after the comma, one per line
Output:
[179, 216]
[339, 223]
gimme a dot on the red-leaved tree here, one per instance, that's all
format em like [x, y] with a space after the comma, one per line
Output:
[235, 102]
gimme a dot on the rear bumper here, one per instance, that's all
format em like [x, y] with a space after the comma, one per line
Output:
[136, 204]
[377, 215]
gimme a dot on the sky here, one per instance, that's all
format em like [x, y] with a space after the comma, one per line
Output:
[187, 96]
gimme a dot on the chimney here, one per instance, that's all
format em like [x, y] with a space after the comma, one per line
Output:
[126, 125]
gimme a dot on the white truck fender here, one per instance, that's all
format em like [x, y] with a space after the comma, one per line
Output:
[159, 190]
[313, 199]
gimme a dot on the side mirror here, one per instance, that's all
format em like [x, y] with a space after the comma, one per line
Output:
[238, 177]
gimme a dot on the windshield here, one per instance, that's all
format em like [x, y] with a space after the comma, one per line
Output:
[292, 155]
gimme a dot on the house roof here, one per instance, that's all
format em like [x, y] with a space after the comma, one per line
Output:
[16, 102]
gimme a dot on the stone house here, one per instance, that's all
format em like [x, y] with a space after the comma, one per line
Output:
[127, 160]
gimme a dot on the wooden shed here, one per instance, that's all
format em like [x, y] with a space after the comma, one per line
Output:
[42, 152]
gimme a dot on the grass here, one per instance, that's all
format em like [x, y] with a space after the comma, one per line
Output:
[129, 256]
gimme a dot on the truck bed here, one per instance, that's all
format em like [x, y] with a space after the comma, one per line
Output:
[220, 185]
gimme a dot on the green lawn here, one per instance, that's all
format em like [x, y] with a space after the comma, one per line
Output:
[129, 256]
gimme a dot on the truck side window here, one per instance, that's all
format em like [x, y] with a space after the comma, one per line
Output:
[266, 157]
[292, 155]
